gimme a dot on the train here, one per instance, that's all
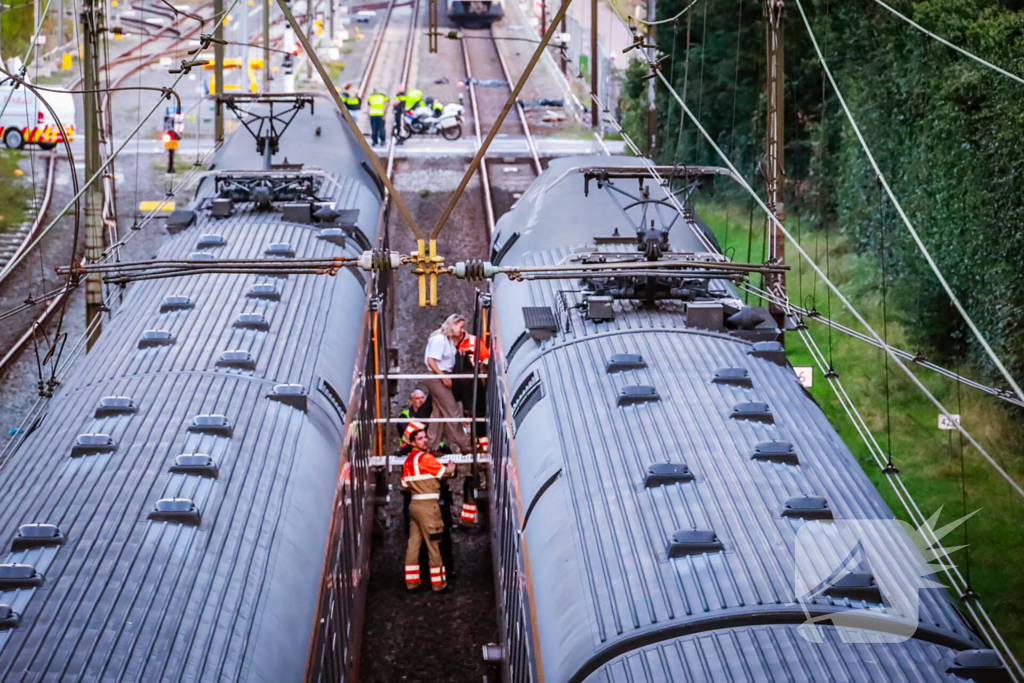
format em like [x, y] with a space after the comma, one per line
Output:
[476, 13]
[657, 467]
[183, 511]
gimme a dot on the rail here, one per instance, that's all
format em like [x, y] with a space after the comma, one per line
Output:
[519, 107]
[485, 180]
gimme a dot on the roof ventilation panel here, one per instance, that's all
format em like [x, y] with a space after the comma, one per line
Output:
[281, 249]
[236, 360]
[264, 291]
[335, 236]
[37, 536]
[686, 542]
[176, 302]
[252, 321]
[179, 220]
[176, 511]
[620, 362]
[8, 617]
[93, 444]
[154, 338]
[807, 507]
[115, 405]
[222, 207]
[200, 256]
[855, 586]
[199, 464]
[775, 451]
[980, 666]
[665, 473]
[293, 395]
[705, 315]
[637, 393]
[297, 212]
[19, 576]
[753, 411]
[734, 377]
[769, 350]
[210, 240]
[540, 322]
[217, 425]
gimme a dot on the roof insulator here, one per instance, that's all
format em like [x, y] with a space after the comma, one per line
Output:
[855, 586]
[637, 393]
[736, 377]
[693, 542]
[154, 338]
[93, 444]
[176, 511]
[807, 507]
[176, 302]
[199, 464]
[620, 362]
[769, 350]
[775, 451]
[293, 395]
[237, 360]
[333, 235]
[754, 411]
[540, 321]
[200, 256]
[217, 425]
[8, 617]
[18, 576]
[282, 249]
[210, 240]
[980, 666]
[37, 536]
[664, 473]
[265, 291]
[180, 219]
[252, 321]
[115, 405]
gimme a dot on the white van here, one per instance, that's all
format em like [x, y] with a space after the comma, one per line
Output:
[27, 120]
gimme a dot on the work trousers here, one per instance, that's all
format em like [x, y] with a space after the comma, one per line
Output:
[445, 405]
[377, 129]
[425, 526]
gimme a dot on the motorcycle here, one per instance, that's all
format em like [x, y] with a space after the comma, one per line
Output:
[423, 121]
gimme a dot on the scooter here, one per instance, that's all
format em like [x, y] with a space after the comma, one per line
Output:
[423, 121]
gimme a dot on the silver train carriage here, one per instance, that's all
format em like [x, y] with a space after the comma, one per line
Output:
[475, 13]
[182, 510]
[656, 464]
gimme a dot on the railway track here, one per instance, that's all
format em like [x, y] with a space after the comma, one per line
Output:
[483, 60]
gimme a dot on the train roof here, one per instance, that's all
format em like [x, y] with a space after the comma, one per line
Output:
[623, 567]
[224, 586]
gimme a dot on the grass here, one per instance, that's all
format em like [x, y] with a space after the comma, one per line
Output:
[14, 193]
[928, 459]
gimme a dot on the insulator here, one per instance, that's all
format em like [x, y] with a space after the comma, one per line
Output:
[474, 269]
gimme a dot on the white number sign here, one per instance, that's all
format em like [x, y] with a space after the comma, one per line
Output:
[806, 375]
[947, 424]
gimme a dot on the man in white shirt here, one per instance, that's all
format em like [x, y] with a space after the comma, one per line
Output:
[440, 359]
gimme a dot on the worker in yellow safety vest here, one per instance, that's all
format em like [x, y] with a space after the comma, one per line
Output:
[413, 98]
[351, 101]
[378, 104]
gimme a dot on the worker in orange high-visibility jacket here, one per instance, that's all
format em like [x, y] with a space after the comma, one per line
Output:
[422, 476]
[467, 347]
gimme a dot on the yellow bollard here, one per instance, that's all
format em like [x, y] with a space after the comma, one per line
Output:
[65, 62]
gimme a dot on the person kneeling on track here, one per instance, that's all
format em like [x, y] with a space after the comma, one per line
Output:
[421, 476]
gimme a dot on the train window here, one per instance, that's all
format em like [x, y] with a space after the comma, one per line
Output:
[498, 254]
[520, 340]
[334, 398]
[528, 395]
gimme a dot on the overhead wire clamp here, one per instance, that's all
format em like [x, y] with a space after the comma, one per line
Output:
[427, 265]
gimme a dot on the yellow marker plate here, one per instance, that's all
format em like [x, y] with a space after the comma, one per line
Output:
[146, 207]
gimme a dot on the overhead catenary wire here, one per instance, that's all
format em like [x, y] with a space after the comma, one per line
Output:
[839, 295]
[663, 21]
[903, 216]
[948, 44]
